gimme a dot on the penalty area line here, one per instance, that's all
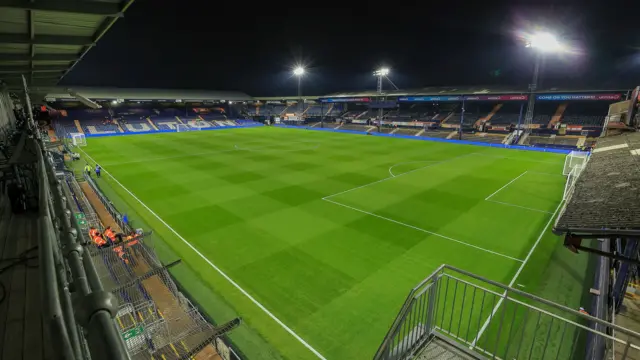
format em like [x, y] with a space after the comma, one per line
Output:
[222, 273]
[424, 231]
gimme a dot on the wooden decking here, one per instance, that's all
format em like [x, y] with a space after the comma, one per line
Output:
[22, 335]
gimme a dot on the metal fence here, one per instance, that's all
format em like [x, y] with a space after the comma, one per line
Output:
[492, 320]
[76, 307]
[154, 317]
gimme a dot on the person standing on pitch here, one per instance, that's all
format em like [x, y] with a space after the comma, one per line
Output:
[87, 169]
[97, 170]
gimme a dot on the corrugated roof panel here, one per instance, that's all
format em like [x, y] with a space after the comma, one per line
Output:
[57, 49]
[14, 62]
[49, 62]
[13, 48]
[13, 21]
[51, 22]
[56, 23]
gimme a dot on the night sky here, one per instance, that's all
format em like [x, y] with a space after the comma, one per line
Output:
[252, 47]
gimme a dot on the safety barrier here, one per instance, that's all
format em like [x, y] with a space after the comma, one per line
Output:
[78, 310]
[154, 316]
[493, 320]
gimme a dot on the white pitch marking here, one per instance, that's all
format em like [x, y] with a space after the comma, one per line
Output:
[545, 173]
[393, 177]
[515, 277]
[516, 159]
[408, 162]
[519, 206]
[509, 183]
[423, 230]
[259, 305]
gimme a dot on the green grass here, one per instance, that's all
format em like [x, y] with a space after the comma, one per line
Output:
[335, 271]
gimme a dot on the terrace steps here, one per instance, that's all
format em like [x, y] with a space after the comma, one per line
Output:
[557, 116]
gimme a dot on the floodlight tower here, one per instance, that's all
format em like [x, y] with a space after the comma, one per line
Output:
[299, 72]
[380, 73]
[542, 43]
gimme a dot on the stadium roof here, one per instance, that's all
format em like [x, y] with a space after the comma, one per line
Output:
[106, 93]
[606, 197]
[464, 90]
[44, 39]
[444, 91]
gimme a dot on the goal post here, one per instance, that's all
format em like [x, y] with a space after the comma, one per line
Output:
[183, 128]
[78, 139]
[574, 159]
[574, 164]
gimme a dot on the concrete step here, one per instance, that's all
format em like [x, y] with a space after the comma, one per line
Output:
[438, 349]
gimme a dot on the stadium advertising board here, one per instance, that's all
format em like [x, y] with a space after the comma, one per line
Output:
[429, 98]
[465, 98]
[579, 97]
[496, 97]
[341, 100]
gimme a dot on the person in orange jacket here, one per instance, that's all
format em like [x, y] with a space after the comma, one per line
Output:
[98, 240]
[109, 234]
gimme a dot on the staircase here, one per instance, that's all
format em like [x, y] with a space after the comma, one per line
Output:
[557, 116]
[78, 126]
[328, 111]
[438, 349]
[434, 324]
[447, 117]
[153, 126]
[489, 116]
[523, 138]
[115, 121]
[361, 114]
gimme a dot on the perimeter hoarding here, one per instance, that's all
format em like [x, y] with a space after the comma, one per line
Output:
[465, 98]
[573, 97]
[343, 100]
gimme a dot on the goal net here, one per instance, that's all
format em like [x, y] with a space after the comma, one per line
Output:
[574, 163]
[183, 128]
[573, 160]
[78, 139]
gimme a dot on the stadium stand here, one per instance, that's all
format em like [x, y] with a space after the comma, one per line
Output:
[507, 114]
[588, 114]
[543, 112]
[484, 137]
[438, 133]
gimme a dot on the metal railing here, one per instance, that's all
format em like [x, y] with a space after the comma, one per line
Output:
[154, 317]
[76, 307]
[491, 320]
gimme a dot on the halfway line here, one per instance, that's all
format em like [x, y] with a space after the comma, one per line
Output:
[253, 300]
[396, 176]
[423, 230]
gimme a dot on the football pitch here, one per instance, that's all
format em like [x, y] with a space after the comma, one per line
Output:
[315, 238]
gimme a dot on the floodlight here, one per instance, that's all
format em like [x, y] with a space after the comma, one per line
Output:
[298, 71]
[381, 72]
[545, 42]
[114, 102]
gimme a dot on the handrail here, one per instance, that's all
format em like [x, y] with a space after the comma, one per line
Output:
[404, 310]
[413, 324]
[95, 308]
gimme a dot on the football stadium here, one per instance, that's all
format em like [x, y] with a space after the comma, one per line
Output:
[431, 223]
